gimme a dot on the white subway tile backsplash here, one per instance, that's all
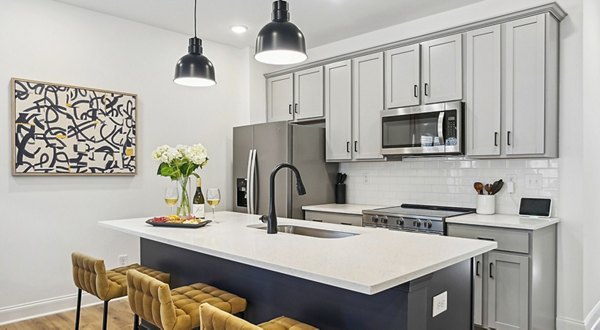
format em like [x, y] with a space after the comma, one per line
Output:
[447, 181]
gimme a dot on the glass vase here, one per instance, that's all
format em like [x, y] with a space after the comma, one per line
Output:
[184, 207]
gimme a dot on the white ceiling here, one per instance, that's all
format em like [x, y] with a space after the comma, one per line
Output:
[322, 21]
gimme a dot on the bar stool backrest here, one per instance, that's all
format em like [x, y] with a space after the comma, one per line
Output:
[212, 318]
[89, 274]
[151, 300]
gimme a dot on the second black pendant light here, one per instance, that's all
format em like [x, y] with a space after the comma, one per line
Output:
[195, 69]
[280, 41]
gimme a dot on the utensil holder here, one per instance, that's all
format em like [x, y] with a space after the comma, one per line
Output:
[486, 204]
[340, 193]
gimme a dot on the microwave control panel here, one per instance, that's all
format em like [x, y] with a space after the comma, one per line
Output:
[451, 126]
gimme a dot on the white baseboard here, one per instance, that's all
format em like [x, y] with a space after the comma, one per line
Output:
[567, 323]
[592, 320]
[44, 307]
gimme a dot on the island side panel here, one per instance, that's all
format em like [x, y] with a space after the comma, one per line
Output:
[272, 294]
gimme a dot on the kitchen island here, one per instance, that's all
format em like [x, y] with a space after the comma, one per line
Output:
[377, 279]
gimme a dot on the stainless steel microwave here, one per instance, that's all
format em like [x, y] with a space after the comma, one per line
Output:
[433, 129]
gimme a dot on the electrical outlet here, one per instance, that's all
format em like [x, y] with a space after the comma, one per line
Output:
[533, 181]
[440, 304]
[365, 179]
[123, 259]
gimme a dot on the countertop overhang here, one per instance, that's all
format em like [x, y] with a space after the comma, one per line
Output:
[371, 262]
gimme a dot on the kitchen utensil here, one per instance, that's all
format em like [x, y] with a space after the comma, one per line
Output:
[344, 176]
[488, 189]
[339, 178]
[497, 186]
[478, 187]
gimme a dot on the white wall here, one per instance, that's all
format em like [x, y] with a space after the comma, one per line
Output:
[591, 113]
[571, 208]
[44, 219]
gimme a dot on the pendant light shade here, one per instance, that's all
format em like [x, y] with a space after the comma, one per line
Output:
[195, 69]
[280, 41]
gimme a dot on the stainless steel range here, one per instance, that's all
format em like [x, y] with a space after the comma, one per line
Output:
[428, 219]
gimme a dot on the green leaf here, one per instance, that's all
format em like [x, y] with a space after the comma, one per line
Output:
[166, 170]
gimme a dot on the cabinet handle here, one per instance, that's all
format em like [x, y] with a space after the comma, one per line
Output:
[477, 268]
[491, 270]
[345, 223]
[317, 220]
[290, 109]
[508, 138]
[348, 146]
[355, 146]
[296, 107]
[486, 238]
[416, 90]
[495, 139]
[426, 89]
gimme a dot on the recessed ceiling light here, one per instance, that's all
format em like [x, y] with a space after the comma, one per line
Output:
[239, 29]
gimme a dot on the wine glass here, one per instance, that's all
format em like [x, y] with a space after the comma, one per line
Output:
[171, 196]
[213, 198]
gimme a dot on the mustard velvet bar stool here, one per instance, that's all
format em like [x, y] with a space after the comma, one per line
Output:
[90, 275]
[212, 318]
[176, 309]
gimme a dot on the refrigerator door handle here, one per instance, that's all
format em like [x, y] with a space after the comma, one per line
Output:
[249, 183]
[254, 184]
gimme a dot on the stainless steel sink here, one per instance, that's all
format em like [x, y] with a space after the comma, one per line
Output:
[307, 231]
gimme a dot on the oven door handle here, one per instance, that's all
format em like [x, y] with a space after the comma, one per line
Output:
[440, 128]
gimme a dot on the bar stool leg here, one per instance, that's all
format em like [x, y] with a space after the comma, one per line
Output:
[136, 322]
[78, 314]
[105, 316]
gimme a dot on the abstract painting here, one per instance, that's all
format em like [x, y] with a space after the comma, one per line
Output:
[71, 130]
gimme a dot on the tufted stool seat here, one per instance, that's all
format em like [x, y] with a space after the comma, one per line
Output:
[176, 309]
[215, 319]
[90, 275]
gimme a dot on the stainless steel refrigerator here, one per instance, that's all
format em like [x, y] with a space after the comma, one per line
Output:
[257, 149]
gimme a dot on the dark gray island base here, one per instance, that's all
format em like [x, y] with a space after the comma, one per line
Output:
[271, 294]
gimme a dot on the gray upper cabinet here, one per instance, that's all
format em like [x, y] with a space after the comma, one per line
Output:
[308, 93]
[403, 76]
[483, 91]
[508, 291]
[367, 104]
[442, 69]
[530, 86]
[338, 111]
[280, 98]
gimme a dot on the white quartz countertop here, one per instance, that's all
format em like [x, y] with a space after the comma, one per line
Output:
[503, 221]
[341, 208]
[371, 262]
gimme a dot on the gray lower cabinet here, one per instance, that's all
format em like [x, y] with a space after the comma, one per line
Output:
[514, 286]
[337, 218]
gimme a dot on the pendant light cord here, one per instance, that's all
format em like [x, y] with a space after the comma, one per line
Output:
[195, 13]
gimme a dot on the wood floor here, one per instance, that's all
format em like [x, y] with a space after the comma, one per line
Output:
[119, 317]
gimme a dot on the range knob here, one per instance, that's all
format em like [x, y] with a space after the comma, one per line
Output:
[418, 223]
[384, 220]
[375, 218]
[429, 224]
[400, 222]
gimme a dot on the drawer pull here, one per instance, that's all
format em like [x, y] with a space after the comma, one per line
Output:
[486, 239]
[345, 223]
[317, 220]
[477, 268]
[491, 270]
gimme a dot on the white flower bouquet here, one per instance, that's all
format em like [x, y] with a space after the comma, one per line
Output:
[180, 163]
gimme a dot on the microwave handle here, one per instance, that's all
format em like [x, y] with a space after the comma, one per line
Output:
[440, 128]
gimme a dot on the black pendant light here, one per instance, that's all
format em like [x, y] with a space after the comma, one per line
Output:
[195, 69]
[280, 42]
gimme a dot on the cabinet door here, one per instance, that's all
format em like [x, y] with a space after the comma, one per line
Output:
[402, 76]
[478, 290]
[483, 91]
[442, 69]
[524, 85]
[508, 291]
[280, 98]
[338, 109]
[367, 104]
[308, 93]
